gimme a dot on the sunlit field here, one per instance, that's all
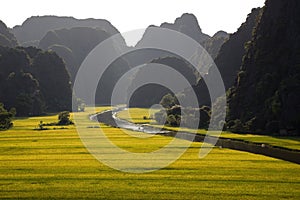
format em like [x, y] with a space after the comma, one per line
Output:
[137, 115]
[54, 164]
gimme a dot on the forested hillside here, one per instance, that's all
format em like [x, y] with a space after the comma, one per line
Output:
[229, 58]
[265, 97]
[32, 80]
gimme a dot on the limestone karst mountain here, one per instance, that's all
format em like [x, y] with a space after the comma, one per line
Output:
[188, 25]
[265, 97]
[6, 37]
[35, 28]
[229, 58]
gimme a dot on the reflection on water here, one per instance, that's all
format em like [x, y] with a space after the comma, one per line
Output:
[134, 127]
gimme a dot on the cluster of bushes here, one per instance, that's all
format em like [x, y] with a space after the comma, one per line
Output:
[169, 116]
[6, 117]
[176, 115]
[63, 120]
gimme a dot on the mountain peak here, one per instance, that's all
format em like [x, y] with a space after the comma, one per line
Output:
[6, 37]
[187, 24]
[220, 34]
[187, 18]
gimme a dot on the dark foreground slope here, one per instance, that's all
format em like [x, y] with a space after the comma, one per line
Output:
[266, 95]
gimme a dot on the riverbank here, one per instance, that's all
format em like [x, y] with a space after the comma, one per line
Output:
[291, 155]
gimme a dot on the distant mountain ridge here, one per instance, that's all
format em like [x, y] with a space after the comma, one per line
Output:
[73, 44]
[35, 28]
[150, 94]
[229, 58]
[73, 39]
[186, 24]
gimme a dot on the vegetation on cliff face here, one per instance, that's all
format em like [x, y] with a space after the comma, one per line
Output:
[33, 81]
[215, 43]
[228, 60]
[260, 67]
[266, 95]
[54, 80]
[230, 56]
[6, 37]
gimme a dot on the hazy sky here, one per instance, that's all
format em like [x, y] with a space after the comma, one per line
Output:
[126, 15]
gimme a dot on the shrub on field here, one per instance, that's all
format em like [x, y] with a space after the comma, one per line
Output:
[64, 118]
[6, 117]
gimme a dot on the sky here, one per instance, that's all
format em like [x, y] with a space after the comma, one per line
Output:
[127, 15]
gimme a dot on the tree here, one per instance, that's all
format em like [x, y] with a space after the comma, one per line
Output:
[172, 120]
[168, 101]
[54, 81]
[34, 81]
[64, 118]
[6, 117]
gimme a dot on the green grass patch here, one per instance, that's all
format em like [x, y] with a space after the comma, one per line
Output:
[136, 115]
[54, 164]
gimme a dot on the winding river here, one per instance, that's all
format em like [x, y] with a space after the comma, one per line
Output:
[110, 118]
